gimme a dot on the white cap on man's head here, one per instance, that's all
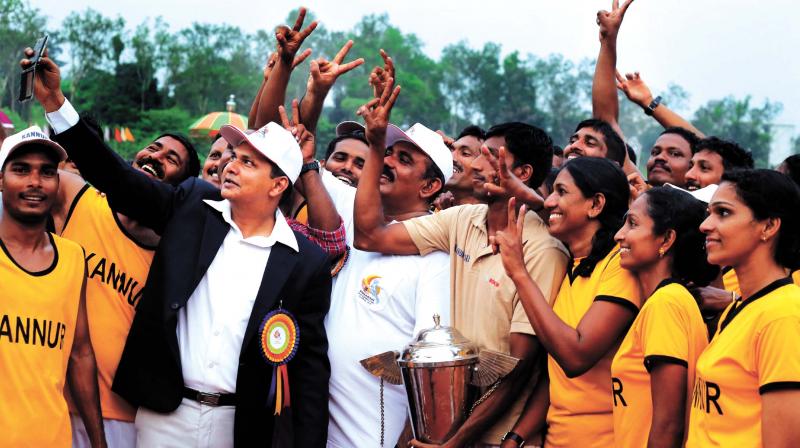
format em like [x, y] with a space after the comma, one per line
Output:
[274, 142]
[427, 141]
[349, 127]
[33, 134]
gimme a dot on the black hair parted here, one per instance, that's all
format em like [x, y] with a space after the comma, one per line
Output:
[689, 262]
[615, 147]
[733, 155]
[594, 175]
[792, 164]
[193, 162]
[355, 135]
[691, 138]
[529, 145]
[472, 131]
[770, 194]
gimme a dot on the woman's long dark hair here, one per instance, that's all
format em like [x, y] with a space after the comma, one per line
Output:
[677, 210]
[593, 176]
[770, 194]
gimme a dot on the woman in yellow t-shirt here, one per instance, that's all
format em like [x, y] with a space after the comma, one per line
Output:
[653, 370]
[597, 302]
[747, 381]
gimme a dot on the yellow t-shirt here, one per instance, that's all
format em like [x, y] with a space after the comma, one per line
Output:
[754, 351]
[669, 328]
[38, 312]
[117, 268]
[731, 282]
[796, 277]
[580, 408]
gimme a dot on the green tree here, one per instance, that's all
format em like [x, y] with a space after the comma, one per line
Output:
[738, 120]
[90, 37]
[20, 25]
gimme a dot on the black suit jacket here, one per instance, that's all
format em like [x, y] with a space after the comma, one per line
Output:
[149, 373]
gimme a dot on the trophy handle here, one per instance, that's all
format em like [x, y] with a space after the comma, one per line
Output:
[492, 366]
[384, 366]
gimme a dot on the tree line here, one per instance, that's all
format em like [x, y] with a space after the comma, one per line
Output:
[153, 79]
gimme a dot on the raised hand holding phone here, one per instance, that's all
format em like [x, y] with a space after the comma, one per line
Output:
[29, 73]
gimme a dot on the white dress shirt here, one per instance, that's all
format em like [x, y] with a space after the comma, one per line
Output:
[212, 324]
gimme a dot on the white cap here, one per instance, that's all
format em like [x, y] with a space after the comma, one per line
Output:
[33, 134]
[427, 141]
[276, 143]
[703, 194]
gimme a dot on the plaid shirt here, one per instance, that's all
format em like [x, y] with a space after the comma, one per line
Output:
[333, 243]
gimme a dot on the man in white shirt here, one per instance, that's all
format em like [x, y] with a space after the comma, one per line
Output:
[380, 302]
[195, 362]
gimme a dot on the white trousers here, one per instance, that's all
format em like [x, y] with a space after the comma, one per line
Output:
[119, 434]
[192, 425]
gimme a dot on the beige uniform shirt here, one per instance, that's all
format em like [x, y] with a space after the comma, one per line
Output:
[484, 303]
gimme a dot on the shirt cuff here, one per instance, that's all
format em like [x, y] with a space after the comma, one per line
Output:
[64, 118]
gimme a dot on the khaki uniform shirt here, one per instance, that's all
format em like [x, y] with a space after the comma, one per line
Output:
[484, 303]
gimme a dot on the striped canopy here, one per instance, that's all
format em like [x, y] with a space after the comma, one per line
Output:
[211, 123]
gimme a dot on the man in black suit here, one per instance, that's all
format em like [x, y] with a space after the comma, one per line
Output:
[193, 361]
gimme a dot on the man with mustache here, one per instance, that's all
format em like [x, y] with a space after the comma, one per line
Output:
[378, 302]
[44, 294]
[487, 310]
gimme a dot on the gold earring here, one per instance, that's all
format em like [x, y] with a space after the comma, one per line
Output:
[661, 252]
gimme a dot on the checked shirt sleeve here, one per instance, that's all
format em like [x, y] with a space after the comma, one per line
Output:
[334, 243]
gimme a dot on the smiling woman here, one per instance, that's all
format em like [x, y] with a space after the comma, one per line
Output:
[747, 384]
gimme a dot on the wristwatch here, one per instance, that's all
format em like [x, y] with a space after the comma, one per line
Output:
[313, 165]
[515, 437]
[651, 108]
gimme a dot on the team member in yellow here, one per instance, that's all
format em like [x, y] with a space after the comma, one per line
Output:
[747, 382]
[595, 305]
[652, 373]
[44, 336]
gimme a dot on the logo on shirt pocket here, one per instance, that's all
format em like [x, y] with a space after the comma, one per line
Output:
[371, 291]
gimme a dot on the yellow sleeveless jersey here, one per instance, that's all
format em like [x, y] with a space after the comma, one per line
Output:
[117, 268]
[669, 328]
[38, 311]
[580, 413]
[753, 352]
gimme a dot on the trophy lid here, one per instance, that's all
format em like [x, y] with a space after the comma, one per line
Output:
[439, 346]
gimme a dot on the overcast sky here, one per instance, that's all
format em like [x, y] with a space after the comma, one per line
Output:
[712, 48]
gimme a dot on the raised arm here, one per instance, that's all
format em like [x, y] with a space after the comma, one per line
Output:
[322, 212]
[371, 231]
[274, 92]
[638, 93]
[82, 377]
[576, 350]
[253, 114]
[323, 75]
[130, 192]
[605, 104]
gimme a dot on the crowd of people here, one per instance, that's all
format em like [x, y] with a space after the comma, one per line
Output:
[230, 303]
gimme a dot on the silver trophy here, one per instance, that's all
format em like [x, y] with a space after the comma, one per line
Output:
[440, 369]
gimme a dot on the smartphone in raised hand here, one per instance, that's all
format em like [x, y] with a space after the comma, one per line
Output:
[29, 74]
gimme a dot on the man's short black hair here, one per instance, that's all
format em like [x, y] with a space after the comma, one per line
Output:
[276, 171]
[472, 131]
[733, 155]
[355, 135]
[631, 153]
[193, 163]
[684, 133]
[615, 146]
[529, 145]
[792, 164]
